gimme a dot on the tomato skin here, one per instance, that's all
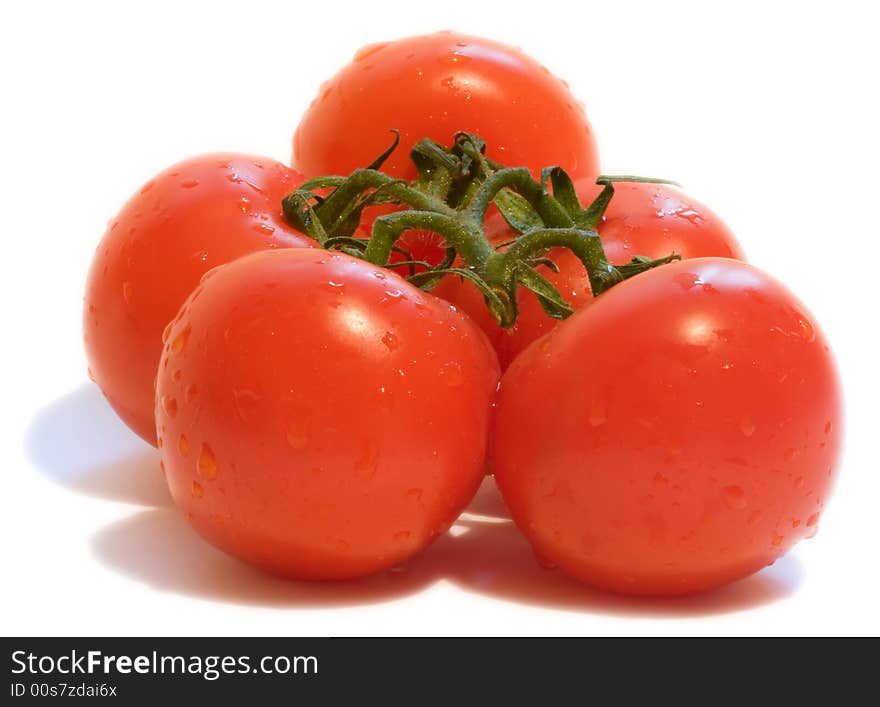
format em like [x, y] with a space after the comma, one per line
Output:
[345, 413]
[433, 86]
[642, 219]
[679, 434]
[194, 216]
[659, 219]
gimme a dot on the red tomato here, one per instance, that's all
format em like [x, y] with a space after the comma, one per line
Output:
[191, 217]
[679, 434]
[657, 219]
[642, 219]
[433, 86]
[321, 417]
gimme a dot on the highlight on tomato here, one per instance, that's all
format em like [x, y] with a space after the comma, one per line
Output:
[320, 417]
[680, 433]
[432, 86]
[190, 218]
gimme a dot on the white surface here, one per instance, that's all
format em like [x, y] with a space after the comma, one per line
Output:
[766, 111]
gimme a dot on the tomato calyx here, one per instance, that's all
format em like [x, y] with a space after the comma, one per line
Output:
[451, 195]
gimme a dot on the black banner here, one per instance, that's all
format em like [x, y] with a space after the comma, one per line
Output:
[136, 670]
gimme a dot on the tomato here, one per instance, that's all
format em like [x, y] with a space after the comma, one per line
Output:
[658, 219]
[188, 219]
[642, 219]
[433, 86]
[320, 417]
[680, 433]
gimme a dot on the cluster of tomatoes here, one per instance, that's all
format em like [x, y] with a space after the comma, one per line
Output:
[332, 355]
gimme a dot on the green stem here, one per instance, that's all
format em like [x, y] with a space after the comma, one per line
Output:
[607, 178]
[519, 180]
[360, 180]
[593, 214]
[469, 242]
[501, 269]
[328, 182]
[451, 197]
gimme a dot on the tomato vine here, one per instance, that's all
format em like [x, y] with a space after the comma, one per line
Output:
[451, 197]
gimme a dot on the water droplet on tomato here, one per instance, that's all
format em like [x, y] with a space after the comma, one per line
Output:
[369, 50]
[368, 461]
[297, 433]
[264, 228]
[686, 280]
[734, 497]
[402, 535]
[198, 491]
[390, 340]
[451, 374]
[207, 463]
[689, 215]
[166, 332]
[189, 183]
[747, 425]
[126, 292]
[149, 185]
[812, 520]
[777, 539]
[180, 340]
[190, 392]
[170, 405]
[454, 58]
[183, 445]
[807, 332]
[828, 427]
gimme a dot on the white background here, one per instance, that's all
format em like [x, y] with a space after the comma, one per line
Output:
[766, 111]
